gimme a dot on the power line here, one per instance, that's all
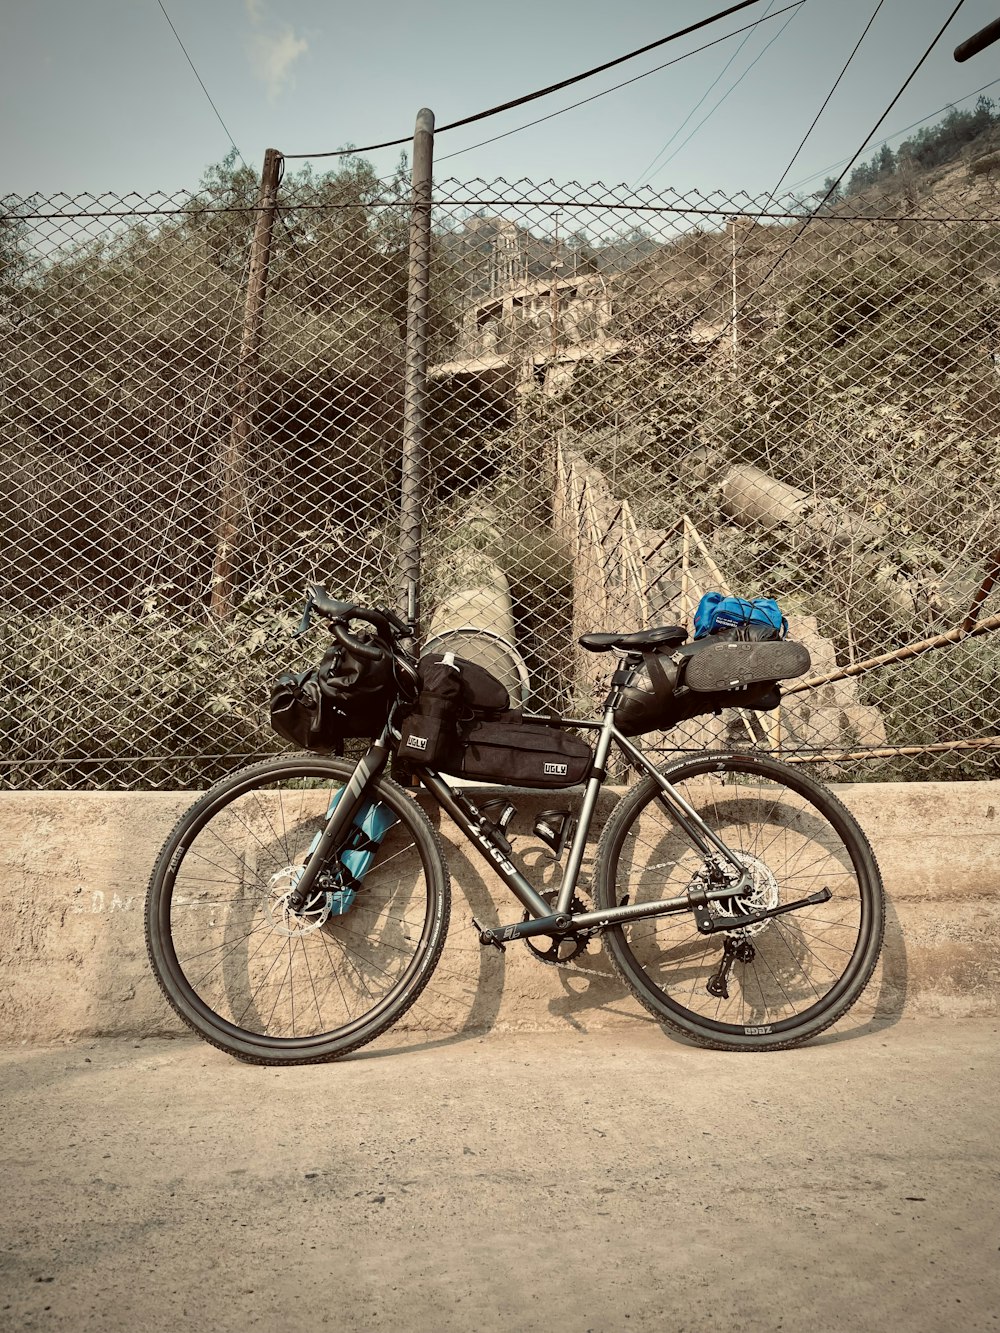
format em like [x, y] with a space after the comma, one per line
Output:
[543, 92]
[218, 114]
[833, 188]
[826, 100]
[773, 194]
[725, 95]
[615, 87]
[896, 133]
[656, 157]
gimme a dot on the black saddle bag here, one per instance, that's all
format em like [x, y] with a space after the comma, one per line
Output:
[707, 676]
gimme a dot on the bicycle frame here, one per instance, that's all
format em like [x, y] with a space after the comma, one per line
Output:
[544, 919]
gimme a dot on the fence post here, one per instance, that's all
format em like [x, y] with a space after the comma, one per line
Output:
[411, 498]
[232, 495]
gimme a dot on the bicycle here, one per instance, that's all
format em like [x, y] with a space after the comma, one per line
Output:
[737, 898]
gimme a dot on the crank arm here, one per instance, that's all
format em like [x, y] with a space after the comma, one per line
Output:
[520, 930]
[712, 925]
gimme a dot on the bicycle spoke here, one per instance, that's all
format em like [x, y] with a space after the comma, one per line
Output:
[777, 972]
[239, 951]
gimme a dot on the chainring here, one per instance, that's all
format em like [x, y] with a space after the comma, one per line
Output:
[559, 951]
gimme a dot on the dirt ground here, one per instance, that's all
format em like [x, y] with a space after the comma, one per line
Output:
[597, 1182]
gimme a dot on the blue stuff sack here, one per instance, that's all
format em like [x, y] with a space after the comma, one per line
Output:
[370, 825]
[739, 617]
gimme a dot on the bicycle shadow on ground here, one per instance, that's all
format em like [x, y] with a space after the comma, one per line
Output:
[884, 1001]
[462, 1000]
[475, 991]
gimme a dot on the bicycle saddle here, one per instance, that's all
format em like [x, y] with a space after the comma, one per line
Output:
[640, 640]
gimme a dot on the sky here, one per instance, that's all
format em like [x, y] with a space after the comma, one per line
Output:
[98, 95]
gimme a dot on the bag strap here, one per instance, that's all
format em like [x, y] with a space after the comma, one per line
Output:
[662, 688]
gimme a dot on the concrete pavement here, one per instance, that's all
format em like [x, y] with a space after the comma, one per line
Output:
[599, 1181]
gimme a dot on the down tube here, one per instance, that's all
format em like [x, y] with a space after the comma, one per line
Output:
[509, 873]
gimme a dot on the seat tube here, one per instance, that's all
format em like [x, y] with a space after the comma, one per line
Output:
[587, 807]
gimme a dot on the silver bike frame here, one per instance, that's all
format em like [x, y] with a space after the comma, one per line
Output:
[683, 815]
[480, 834]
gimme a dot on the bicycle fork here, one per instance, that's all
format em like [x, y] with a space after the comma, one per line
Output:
[339, 822]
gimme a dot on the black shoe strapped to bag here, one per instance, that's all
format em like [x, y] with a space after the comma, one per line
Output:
[705, 677]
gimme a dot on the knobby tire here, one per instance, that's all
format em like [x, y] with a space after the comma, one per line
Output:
[217, 940]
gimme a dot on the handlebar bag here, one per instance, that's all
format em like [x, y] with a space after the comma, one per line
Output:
[345, 696]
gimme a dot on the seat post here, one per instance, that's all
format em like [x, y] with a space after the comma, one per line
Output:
[624, 674]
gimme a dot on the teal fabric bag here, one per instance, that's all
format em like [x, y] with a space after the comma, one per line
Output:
[370, 825]
[757, 618]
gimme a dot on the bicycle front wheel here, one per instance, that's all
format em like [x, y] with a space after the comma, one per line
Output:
[773, 983]
[259, 981]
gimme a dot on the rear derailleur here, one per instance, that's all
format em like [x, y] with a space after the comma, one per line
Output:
[733, 951]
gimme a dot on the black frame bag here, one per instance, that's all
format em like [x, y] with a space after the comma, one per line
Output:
[454, 694]
[463, 725]
[522, 754]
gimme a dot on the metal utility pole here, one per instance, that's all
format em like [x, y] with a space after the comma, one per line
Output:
[232, 496]
[415, 394]
[733, 269]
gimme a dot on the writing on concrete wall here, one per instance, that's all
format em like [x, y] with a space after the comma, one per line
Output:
[99, 901]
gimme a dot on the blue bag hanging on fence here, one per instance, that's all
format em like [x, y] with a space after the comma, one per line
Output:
[757, 618]
[369, 826]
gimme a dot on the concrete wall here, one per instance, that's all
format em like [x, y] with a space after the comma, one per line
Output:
[74, 867]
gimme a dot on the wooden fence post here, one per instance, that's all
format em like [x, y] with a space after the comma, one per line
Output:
[232, 494]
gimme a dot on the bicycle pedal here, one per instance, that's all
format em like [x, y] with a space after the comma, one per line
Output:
[487, 936]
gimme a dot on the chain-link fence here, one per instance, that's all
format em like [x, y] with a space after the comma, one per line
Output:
[200, 412]
[629, 399]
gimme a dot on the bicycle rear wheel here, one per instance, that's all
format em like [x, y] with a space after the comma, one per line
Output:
[260, 982]
[777, 982]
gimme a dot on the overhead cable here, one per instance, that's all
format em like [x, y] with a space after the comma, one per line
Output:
[826, 100]
[836, 184]
[647, 170]
[774, 193]
[625, 83]
[544, 92]
[896, 133]
[724, 96]
[218, 114]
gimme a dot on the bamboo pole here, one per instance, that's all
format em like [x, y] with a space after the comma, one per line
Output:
[892, 751]
[903, 654]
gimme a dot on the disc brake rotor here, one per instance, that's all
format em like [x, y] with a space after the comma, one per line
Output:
[282, 919]
[762, 896]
